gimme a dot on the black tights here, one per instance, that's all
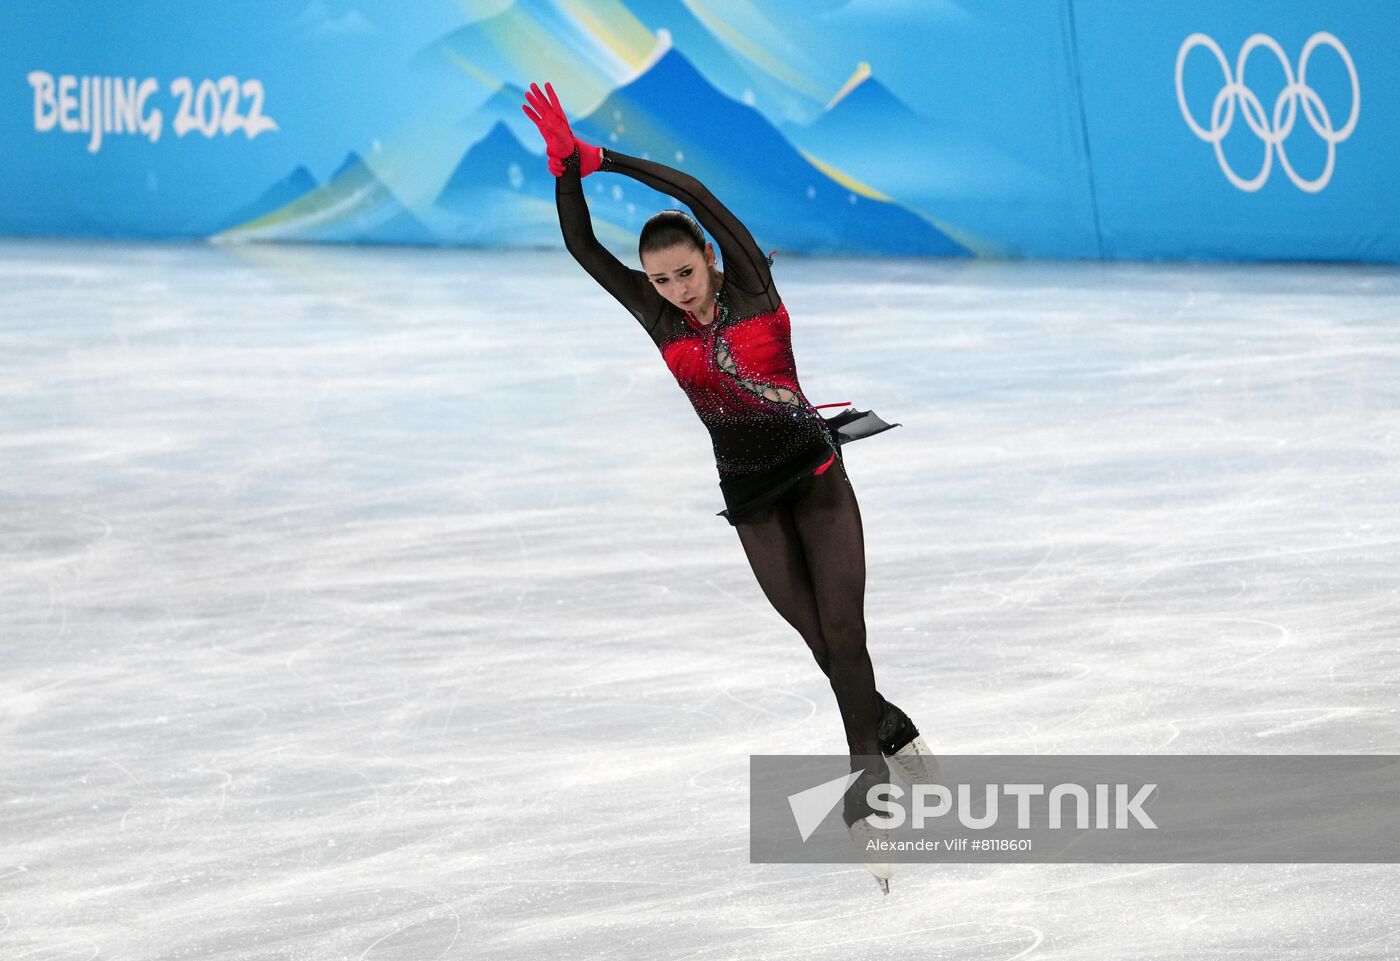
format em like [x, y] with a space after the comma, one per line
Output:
[808, 553]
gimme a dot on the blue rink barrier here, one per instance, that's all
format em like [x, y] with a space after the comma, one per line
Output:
[1059, 128]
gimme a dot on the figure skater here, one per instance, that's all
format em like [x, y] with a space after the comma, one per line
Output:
[725, 336]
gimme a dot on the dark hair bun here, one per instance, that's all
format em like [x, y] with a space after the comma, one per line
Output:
[670, 228]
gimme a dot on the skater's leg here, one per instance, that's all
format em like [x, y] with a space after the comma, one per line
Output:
[771, 544]
[828, 523]
[777, 554]
[827, 519]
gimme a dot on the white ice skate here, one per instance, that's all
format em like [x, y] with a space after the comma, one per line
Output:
[862, 821]
[902, 743]
[916, 763]
[867, 837]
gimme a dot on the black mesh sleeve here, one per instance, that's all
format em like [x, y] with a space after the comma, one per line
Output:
[745, 265]
[631, 287]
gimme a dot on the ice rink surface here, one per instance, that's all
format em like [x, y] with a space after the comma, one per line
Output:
[370, 603]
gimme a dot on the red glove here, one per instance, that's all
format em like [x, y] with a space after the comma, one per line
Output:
[590, 159]
[559, 140]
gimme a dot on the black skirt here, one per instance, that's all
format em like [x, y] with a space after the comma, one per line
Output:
[747, 496]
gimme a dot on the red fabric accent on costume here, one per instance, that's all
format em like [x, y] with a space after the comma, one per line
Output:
[747, 427]
[844, 403]
[761, 347]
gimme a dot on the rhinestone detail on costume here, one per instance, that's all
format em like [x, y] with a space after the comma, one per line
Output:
[740, 377]
[778, 395]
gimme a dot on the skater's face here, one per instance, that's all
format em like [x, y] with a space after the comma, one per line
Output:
[682, 274]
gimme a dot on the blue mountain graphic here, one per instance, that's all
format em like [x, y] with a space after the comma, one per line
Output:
[501, 107]
[730, 74]
[499, 193]
[349, 165]
[876, 138]
[747, 164]
[296, 184]
[353, 206]
[869, 106]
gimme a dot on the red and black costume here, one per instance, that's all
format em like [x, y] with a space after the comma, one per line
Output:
[738, 370]
[770, 443]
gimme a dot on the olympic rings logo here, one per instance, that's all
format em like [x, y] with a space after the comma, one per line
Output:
[1222, 113]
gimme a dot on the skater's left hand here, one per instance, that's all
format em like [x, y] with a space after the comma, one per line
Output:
[590, 159]
[548, 115]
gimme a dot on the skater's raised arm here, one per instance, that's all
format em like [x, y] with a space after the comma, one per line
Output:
[630, 287]
[745, 265]
[571, 161]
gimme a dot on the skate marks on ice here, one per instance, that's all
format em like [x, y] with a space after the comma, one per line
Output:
[833, 936]
[352, 610]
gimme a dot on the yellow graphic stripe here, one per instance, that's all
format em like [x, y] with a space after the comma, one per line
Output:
[754, 52]
[613, 26]
[862, 71]
[845, 179]
[980, 246]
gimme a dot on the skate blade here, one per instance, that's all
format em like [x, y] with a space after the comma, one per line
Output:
[916, 763]
[882, 871]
